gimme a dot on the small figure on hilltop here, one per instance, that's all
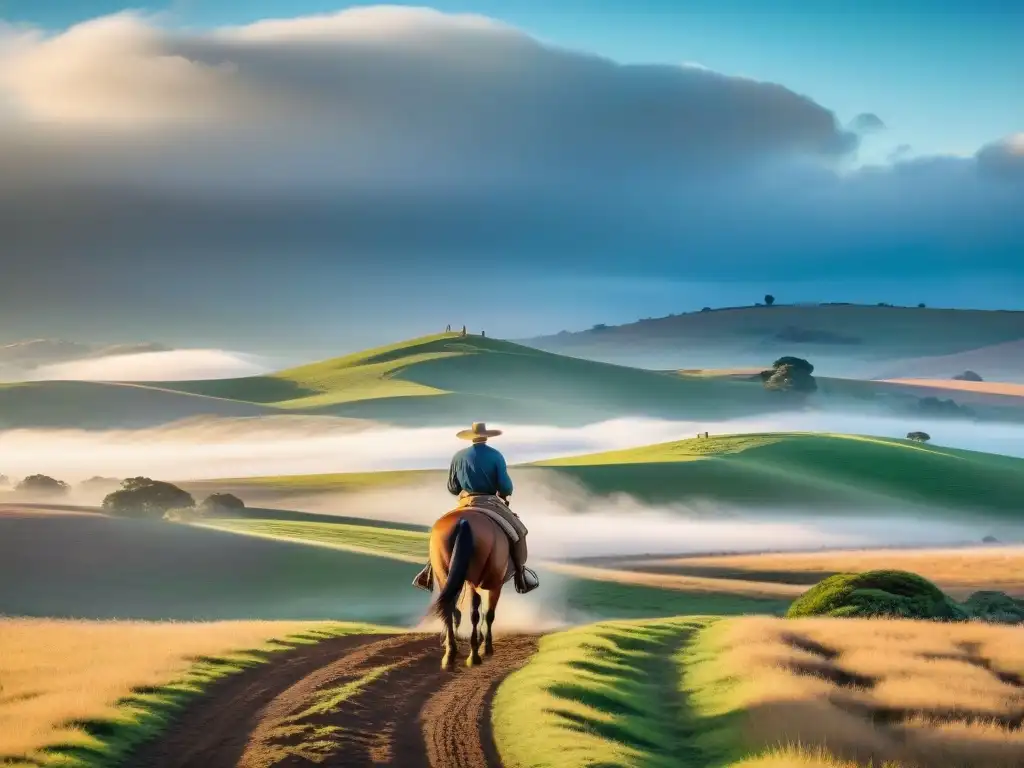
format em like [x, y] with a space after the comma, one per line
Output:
[448, 328]
[483, 334]
[463, 333]
[478, 475]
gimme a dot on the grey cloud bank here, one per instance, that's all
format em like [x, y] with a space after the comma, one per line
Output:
[260, 171]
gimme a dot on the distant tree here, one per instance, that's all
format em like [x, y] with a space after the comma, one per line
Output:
[968, 376]
[769, 300]
[599, 327]
[919, 437]
[222, 502]
[96, 483]
[933, 406]
[42, 485]
[142, 497]
[797, 363]
[921, 305]
[790, 374]
[706, 309]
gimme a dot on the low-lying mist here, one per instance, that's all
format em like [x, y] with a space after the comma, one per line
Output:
[168, 365]
[209, 448]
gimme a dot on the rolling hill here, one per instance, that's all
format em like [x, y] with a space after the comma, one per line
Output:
[434, 380]
[997, 362]
[819, 472]
[841, 339]
[809, 473]
[447, 379]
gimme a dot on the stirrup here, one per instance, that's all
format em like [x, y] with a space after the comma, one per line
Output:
[425, 579]
[526, 581]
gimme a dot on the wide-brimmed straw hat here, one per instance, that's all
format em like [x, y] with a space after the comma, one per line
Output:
[478, 431]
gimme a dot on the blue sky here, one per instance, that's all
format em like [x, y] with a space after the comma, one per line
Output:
[332, 181]
[944, 75]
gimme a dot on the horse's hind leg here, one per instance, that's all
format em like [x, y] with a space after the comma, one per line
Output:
[457, 612]
[475, 636]
[492, 603]
[450, 646]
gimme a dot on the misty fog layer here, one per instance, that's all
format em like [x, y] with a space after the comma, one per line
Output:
[170, 365]
[221, 448]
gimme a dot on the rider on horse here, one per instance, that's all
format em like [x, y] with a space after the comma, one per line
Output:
[479, 477]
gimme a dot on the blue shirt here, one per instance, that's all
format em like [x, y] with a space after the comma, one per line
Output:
[479, 469]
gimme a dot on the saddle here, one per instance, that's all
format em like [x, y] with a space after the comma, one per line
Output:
[496, 509]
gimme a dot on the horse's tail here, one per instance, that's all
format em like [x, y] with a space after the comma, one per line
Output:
[458, 570]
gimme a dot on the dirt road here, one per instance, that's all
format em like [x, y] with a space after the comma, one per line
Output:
[367, 700]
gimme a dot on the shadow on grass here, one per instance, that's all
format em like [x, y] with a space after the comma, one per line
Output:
[631, 694]
[149, 709]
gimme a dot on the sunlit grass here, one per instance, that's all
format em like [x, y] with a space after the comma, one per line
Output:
[81, 693]
[410, 546]
[766, 693]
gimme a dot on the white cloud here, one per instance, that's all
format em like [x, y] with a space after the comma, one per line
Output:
[174, 365]
[1004, 158]
[372, 96]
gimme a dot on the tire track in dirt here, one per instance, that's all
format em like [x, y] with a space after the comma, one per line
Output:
[357, 701]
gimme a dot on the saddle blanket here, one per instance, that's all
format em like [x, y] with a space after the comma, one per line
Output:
[498, 511]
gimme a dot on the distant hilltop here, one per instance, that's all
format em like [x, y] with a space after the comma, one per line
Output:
[842, 338]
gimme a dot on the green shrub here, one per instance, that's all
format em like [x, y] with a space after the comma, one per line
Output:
[142, 497]
[995, 607]
[222, 502]
[895, 594]
[42, 485]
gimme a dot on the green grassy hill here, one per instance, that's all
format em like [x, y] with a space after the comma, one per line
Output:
[850, 337]
[437, 378]
[807, 470]
[432, 380]
[272, 565]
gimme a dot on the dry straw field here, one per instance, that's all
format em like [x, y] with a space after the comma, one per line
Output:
[900, 693]
[958, 571]
[54, 673]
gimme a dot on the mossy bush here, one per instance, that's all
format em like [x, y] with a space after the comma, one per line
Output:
[995, 607]
[886, 593]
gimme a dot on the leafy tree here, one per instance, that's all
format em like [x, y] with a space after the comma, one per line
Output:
[919, 437]
[790, 374]
[43, 485]
[706, 309]
[769, 300]
[968, 376]
[921, 305]
[222, 502]
[143, 497]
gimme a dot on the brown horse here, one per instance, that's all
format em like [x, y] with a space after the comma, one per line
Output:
[468, 548]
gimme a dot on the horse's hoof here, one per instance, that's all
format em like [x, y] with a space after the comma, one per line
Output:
[448, 663]
[488, 650]
[473, 660]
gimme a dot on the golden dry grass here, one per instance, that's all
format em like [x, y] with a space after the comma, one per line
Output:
[981, 387]
[747, 588]
[912, 694]
[53, 672]
[958, 571]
